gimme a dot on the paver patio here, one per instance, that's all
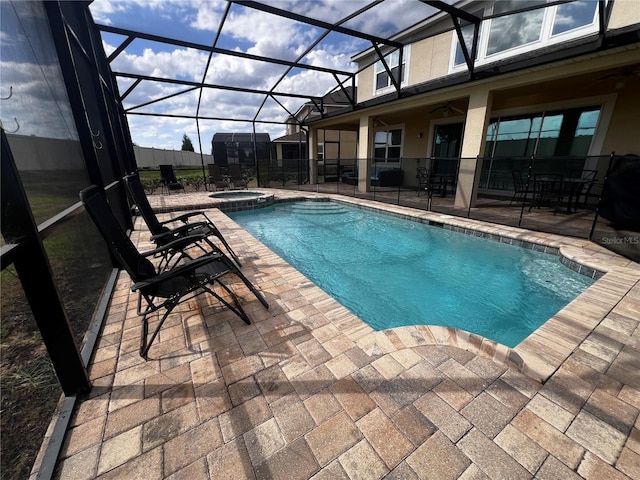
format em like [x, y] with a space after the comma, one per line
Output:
[308, 390]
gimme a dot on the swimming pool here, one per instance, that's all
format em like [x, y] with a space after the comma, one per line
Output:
[392, 272]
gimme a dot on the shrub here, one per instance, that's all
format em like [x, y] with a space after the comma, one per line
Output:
[150, 184]
[195, 181]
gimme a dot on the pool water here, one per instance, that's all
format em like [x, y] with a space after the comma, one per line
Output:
[392, 272]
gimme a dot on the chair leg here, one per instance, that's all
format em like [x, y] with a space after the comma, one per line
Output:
[251, 287]
[228, 247]
[145, 344]
[237, 309]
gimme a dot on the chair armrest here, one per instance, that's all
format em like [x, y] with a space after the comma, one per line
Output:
[183, 218]
[178, 271]
[180, 230]
[177, 244]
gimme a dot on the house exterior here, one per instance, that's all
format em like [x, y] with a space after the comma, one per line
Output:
[557, 80]
[332, 143]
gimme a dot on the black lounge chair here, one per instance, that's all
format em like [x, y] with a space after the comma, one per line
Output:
[235, 173]
[161, 234]
[163, 289]
[168, 179]
[215, 177]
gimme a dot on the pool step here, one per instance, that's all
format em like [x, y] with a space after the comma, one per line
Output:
[316, 208]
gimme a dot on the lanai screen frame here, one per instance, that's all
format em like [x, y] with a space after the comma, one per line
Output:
[381, 46]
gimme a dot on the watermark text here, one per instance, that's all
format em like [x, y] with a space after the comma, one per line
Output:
[631, 240]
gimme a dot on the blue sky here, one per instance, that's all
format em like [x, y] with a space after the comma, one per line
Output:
[246, 30]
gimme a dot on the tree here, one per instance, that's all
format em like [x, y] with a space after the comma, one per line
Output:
[187, 146]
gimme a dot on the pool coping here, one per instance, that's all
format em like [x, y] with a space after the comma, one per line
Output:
[541, 353]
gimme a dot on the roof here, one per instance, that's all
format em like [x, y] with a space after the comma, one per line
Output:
[292, 138]
[241, 137]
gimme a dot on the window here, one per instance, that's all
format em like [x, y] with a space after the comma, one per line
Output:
[382, 79]
[387, 145]
[467, 35]
[562, 133]
[570, 16]
[321, 151]
[565, 132]
[516, 33]
[515, 30]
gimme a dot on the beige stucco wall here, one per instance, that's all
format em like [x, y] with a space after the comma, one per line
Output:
[365, 84]
[624, 12]
[428, 59]
[625, 116]
[348, 144]
[347, 140]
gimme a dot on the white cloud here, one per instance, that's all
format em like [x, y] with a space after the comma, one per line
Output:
[245, 29]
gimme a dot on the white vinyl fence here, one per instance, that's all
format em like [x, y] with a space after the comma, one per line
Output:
[152, 157]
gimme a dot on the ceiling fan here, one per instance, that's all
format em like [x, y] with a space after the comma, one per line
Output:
[447, 109]
[619, 78]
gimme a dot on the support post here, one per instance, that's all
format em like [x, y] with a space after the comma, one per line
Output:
[472, 147]
[365, 152]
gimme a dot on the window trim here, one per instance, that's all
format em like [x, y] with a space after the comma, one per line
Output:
[404, 77]
[388, 128]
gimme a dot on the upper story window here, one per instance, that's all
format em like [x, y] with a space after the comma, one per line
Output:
[467, 35]
[514, 34]
[516, 30]
[383, 81]
[387, 145]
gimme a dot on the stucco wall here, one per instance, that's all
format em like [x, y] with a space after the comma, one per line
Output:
[624, 12]
[624, 116]
[428, 59]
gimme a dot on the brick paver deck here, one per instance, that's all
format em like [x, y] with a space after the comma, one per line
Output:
[310, 391]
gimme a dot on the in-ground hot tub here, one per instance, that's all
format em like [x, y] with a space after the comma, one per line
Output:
[233, 201]
[239, 195]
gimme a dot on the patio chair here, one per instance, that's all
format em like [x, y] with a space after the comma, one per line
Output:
[164, 289]
[547, 190]
[235, 172]
[519, 186]
[161, 234]
[168, 179]
[590, 180]
[215, 177]
[424, 180]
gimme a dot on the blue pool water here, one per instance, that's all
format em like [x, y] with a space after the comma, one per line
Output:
[392, 272]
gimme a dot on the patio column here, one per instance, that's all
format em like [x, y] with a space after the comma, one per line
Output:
[312, 145]
[473, 146]
[365, 152]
